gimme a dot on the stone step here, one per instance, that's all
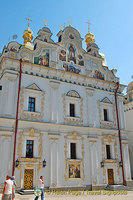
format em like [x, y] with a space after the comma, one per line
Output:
[118, 188]
[25, 192]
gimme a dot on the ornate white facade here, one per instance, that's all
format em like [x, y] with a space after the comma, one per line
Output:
[72, 124]
[128, 111]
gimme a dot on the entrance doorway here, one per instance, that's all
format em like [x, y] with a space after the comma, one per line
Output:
[110, 177]
[28, 179]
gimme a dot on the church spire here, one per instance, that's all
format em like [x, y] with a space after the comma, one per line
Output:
[89, 36]
[28, 35]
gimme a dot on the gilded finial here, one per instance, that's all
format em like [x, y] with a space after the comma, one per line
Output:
[29, 19]
[45, 22]
[28, 35]
[89, 36]
[70, 22]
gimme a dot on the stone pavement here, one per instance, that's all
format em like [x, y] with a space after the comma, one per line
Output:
[92, 195]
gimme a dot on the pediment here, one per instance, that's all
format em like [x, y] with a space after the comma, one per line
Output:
[33, 87]
[73, 135]
[73, 93]
[106, 100]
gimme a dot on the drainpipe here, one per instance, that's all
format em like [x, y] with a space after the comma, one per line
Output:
[119, 133]
[16, 123]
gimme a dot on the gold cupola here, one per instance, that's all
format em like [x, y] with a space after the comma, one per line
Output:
[28, 36]
[89, 38]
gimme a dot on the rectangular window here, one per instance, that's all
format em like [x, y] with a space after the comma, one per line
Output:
[31, 105]
[108, 151]
[72, 110]
[29, 148]
[105, 111]
[73, 150]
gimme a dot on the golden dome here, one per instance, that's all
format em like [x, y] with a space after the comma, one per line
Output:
[27, 35]
[89, 38]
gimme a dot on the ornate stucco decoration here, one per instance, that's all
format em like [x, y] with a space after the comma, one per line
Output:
[110, 163]
[76, 163]
[72, 96]
[111, 106]
[34, 91]
[29, 162]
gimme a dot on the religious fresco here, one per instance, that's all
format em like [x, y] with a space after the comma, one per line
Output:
[74, 170]
[98, 75]
[80, 60]
[43, 59]
[62, 55]
[71, 54]
[71, 68]
[14, 49]
[71, 36]
[95, 70]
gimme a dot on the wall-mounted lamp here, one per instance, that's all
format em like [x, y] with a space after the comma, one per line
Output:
[102, 164]
[120, 164]
[44, 163]
[17, 163]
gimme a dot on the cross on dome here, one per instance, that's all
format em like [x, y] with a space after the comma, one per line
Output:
[29, 19]
[70, 22]
[45, 22]
[88, 22]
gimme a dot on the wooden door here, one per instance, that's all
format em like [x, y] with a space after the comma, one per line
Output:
[28, 179]
[110, 177]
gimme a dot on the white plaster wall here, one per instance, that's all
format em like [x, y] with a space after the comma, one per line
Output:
[129, 127]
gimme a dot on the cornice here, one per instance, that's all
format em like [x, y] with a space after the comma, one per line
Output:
[128, 106]
[60, 74]
[59, 126]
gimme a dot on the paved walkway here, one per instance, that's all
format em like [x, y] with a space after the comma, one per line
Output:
[103, 195]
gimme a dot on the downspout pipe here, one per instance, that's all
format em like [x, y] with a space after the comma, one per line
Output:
[16, 122]
[119, 133]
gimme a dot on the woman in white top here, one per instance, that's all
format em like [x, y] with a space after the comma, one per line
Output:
[8, 189]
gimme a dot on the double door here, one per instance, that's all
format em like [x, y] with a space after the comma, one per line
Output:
[28, 179]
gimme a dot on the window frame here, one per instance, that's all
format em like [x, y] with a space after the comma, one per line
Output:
[105, 114]
[30, 103]
[73, 150]
[72, 109]
[30, 155]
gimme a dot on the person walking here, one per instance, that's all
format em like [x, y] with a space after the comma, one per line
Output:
[14, 185]
[8, 189]
[41, 186]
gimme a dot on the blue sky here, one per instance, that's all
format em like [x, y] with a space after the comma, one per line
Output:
[111, 23]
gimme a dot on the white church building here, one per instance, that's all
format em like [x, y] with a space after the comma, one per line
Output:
[67, 117]
[128, 111]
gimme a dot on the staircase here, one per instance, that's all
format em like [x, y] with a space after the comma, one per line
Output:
[25, 192]
[118, 188]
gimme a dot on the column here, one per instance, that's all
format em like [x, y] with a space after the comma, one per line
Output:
[53, 159]
[54, 101]
[121, 113]
[93, 161]
[127, 169]
[90, 110]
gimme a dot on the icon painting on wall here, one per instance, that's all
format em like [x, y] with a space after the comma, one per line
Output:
[62, 55]
[98, 75]
[71, 55]
[71, 68]
[74, 170]
[43, 59]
